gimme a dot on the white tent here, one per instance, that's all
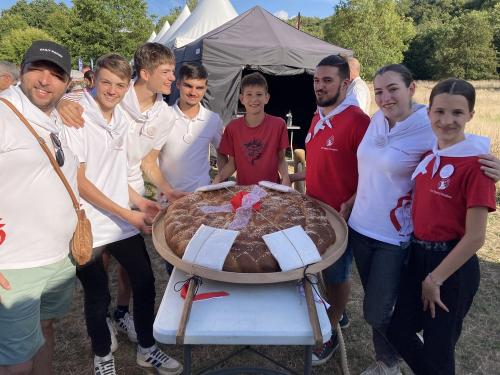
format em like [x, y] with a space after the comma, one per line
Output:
[207, 16]
[152, 37]
[163, 30]
[183, 16]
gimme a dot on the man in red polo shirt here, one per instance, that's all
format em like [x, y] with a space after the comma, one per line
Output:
[332, 172]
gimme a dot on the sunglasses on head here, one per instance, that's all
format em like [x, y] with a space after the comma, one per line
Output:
[56, 142]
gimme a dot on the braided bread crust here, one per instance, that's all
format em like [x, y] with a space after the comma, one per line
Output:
[249, 253]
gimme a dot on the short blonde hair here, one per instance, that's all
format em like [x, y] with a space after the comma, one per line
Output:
[115, 64]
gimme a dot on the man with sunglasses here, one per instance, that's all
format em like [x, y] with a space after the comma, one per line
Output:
[37, 222]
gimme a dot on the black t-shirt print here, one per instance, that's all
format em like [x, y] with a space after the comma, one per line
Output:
[254, 149]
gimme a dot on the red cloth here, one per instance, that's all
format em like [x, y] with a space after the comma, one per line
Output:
[201, 296]
[331, 163]
[440, 204]
[255, 150]
[237, 200]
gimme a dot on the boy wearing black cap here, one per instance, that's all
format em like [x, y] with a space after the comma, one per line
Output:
[37, 276]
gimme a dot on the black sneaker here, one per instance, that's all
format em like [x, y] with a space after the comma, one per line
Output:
[323, 354]
[344, 321]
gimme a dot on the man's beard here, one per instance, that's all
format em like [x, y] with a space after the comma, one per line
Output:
[329, 101]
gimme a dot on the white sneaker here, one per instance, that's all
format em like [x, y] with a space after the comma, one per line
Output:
[156, 358]
[126, 325]
[113, 333]
[104, 365]
[380, 368]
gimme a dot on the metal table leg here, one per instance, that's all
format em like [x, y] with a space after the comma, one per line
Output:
[308, 360]
[187, 360]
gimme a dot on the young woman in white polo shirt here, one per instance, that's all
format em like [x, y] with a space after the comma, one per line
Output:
[450, 207]
[102, 182]
[380, 223]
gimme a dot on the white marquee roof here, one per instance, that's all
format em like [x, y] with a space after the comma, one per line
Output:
[207, 16]
[181, 18]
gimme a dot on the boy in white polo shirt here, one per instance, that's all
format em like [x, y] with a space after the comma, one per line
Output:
[184, 155]
[102, 177]
[37, 222]
[151, 120]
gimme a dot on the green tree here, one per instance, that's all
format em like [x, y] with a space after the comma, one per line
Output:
[101, 27]
[36, 13]
[495, 23]
[311, 25]
[16, 42]
[9, 22]
[464, 48]
[374, 29]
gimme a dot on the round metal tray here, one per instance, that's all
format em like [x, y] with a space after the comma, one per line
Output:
[330, 256]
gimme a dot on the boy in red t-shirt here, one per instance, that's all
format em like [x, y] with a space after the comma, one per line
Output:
[255, 144]
[451, 201]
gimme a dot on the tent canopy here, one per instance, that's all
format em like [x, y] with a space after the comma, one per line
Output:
[163, 30]
[181, 18]
[208, 15]
[256, 40]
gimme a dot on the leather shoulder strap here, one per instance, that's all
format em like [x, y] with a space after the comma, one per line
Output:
[44, 147]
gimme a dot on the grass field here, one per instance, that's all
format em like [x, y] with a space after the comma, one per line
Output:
[478, 350]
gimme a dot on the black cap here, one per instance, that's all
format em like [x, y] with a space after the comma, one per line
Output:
[45, 50]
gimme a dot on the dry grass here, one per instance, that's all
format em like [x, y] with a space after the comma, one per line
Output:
[478, 351]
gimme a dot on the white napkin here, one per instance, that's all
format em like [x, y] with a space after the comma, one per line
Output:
[292, 248]
[209, 247]
[275, 186]
[222, 185]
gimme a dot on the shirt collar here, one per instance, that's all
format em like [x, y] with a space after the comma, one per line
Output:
[201, 116]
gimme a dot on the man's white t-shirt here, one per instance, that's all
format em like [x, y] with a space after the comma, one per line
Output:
[37, 218]
[184, 156]
[358, 89]
[102, 147]
[386, 161]
[146, 130]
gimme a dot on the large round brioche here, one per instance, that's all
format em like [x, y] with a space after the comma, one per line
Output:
[249, 253]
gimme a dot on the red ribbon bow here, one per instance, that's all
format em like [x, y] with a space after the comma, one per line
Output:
[237, 200]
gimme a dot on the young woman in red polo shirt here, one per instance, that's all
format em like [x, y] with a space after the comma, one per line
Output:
[451, 201]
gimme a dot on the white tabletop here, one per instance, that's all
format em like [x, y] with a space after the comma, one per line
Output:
[271, 314]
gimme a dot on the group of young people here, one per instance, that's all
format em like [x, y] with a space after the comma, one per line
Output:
[361, 167]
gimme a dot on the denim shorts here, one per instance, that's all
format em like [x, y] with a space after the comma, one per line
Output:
[339, 271]
[38, 293]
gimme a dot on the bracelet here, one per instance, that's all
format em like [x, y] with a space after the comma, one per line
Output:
[432, 279]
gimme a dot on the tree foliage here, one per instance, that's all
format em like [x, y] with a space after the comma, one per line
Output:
[454, 38]
[101, 27]
[311, 25]
[374, 29]
[16, 42]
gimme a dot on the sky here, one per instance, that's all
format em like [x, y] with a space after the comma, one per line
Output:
[281, 8]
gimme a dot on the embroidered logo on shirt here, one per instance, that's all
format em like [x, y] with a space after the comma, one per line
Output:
[254, 149]
[329, 141]
[443, 184]
[3, 235]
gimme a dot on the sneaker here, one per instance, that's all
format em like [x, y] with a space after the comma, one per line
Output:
[104, 365]
[156, 358]
[126, 325]
[344, 321]
[113, 333]
[323, 354]
[380, 368]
